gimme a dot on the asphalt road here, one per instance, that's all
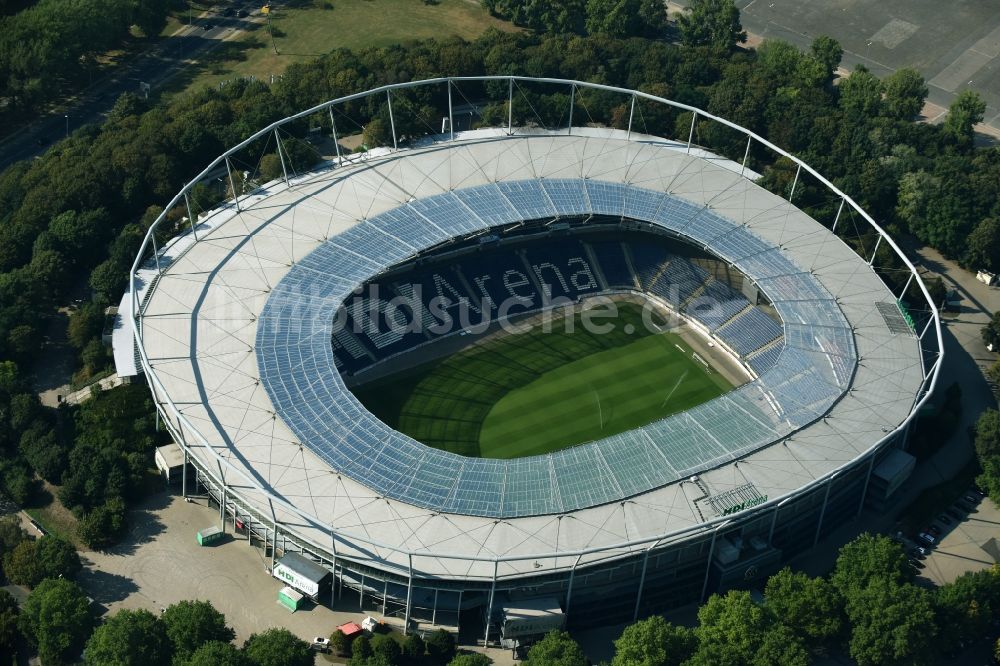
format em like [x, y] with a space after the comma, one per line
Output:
[164, 61]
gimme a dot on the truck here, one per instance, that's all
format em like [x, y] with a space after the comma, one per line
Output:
[528, 618]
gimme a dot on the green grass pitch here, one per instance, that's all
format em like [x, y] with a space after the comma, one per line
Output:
[532, 393]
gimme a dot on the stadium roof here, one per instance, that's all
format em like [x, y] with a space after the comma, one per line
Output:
[297, 366]
[273, 405]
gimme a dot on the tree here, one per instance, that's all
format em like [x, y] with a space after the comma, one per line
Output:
[270, 167]
[965, 112]
[58, 557]
[714, 23]
[85, 324]
[780, 645]
[56, 619]
[869, 557]
[8, 622]
[828, 52]
[191, 624]
[471, 659]
[129, 638]
[94, 356]
[966, 607]
[556, 649]
[413, 646]
[905, 92]
[861, 94]
[21, 565]
[983, 246]
[278, 647]
[17, 480]
[810, 607]
[653, 15]
[41, 447]
[653, 642]
[614, 18]
[376, 133]
[440, 646]
[104, 525]
[11, 533]
[733, 629]
[49, 557]
[891, 624]
[361, 648]
[991, 332]
[341, 644]
[385, 648]
[988, 433]
[215, 653]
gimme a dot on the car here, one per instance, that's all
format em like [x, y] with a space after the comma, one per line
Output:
[321, 644]
[944, 520]
[933, 529]
[228, 11]
[926, 538]
[955, 513]
[915, 563]
[918, 552]
[971, 499]
[241, 13]
[962, 506]
[208, 26]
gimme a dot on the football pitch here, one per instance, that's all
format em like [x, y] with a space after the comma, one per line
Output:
[525, 394]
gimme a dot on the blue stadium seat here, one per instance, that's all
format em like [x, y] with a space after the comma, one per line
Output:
[612, 262]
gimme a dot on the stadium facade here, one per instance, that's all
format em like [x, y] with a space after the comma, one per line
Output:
[234, 331]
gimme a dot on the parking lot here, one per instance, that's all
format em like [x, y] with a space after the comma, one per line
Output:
[969, 542]
[160, 563]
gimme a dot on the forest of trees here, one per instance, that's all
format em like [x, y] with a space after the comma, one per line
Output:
[78, 213]
[47, 46]
[615, 18]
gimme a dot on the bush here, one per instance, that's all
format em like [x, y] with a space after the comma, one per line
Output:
[441, 646]
[471, 659]
[413, 646]
[339, 643]
[361, 649]
[386, 648]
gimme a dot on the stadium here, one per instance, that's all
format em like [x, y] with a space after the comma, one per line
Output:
[369, 363]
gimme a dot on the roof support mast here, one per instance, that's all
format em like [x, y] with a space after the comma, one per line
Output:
[451, 116]
[392, 120]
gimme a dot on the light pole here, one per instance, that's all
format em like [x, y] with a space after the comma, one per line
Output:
[868, 49]
[67, 125]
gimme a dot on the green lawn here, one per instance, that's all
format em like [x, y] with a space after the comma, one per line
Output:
[529, 394]
[308, 28]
